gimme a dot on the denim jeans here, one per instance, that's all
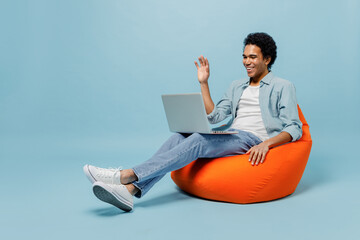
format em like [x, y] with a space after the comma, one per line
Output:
[181, 149]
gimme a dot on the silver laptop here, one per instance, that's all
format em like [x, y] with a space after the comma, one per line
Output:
[185, 113]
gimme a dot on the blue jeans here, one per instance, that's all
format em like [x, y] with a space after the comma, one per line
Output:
[181, 149]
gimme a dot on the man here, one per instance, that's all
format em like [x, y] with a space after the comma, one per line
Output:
[262, 108]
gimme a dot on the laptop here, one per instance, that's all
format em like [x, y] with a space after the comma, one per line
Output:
[185, 113]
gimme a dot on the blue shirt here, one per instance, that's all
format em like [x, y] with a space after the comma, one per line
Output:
[278, 105]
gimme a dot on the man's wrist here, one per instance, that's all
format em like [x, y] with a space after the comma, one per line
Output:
[267, 143]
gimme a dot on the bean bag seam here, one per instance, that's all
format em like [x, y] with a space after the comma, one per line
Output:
[255, 193]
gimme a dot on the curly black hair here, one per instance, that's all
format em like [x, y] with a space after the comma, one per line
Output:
[265, 42]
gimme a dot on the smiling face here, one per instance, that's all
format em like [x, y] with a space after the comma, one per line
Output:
[255, 63]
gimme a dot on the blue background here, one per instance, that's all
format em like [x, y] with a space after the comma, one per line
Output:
[80, 82]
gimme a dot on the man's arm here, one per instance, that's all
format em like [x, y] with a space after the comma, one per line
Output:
[203, 76]
[292, 126]
[258, 152]
[288, 113]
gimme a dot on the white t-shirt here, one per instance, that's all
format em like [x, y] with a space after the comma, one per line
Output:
[248, 114]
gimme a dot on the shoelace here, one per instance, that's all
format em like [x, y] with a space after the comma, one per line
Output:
[116, 170]
[107, 173]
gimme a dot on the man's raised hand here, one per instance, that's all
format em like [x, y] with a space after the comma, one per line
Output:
[203, 69]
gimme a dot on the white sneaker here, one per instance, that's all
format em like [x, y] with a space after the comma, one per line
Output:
[117, 195]
[96, 174]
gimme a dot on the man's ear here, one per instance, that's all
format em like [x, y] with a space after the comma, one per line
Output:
[267, 60]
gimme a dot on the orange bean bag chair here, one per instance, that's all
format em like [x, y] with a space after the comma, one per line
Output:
[234, 179]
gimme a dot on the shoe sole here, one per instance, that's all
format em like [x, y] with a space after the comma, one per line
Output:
[88, 174]
[106, 194]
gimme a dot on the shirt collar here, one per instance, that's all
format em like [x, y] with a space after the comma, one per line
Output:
[265, 80]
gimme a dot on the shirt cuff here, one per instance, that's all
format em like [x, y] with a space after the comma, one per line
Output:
[211, 115]
[294, 132]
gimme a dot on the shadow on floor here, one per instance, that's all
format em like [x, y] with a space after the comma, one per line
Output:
[107, 212]
[163, 199]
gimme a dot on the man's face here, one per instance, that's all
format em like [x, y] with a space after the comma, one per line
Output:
[254, 62]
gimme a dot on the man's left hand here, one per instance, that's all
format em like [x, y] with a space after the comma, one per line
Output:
[258, 153]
